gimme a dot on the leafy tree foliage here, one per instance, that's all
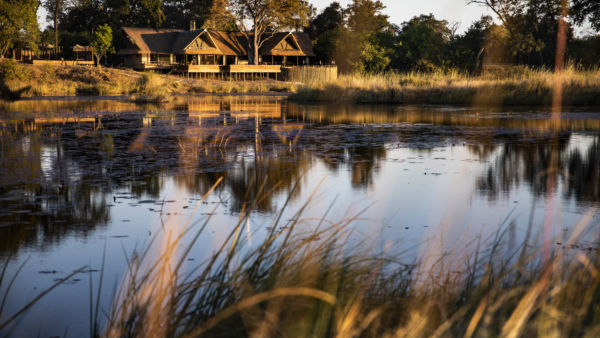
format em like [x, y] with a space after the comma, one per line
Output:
[219, 17]
[423, 43]
[18, 24]
[268, 16]
[325, 29]
[102, 42]
[55, 9]
[586, 10]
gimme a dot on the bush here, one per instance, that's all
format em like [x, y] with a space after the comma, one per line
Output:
[12, 70]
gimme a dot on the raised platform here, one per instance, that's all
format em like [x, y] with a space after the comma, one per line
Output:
[63, 62]
[230, 69]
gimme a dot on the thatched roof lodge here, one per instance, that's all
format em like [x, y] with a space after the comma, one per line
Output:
[145, 48]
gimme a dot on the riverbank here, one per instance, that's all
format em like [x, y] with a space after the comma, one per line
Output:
[515, 86]
[49, 80]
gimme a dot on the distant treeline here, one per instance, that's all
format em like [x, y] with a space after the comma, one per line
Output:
[358, 37]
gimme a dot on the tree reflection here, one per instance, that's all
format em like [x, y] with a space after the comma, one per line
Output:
[60, 172]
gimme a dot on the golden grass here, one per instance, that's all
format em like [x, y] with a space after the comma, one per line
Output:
[307, 281]
[51, 80]
[311, 283]
[512, 86]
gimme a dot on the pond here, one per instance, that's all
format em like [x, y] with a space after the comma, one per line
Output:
[87, 180]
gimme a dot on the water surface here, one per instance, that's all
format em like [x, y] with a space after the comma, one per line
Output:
[80, 179]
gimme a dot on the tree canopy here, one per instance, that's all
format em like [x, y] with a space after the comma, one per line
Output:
[102, 42]
[257, 18]
[18, 24]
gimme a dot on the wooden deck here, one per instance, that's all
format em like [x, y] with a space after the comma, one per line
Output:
[231, 69]
[253, 69]
[63, 62]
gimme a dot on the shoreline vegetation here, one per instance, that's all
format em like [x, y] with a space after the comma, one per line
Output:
[65, 80]
[509, 86]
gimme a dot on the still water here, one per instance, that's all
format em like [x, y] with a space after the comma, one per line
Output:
[85, 179]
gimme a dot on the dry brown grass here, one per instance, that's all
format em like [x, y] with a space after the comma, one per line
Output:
[513, 86]
[51, 80]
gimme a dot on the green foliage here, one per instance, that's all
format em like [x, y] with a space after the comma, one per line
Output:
[12, 70]
[423, 43]
[18, 24]
[102, 42]
[365, 16]
[150, 11]
[524, 33]
[583, 10]
[54, 9]
[373, 59]
[268, 16]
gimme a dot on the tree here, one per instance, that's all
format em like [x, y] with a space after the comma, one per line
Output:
[55, 8]
[583, 10]
[219, 17]
[532, 27]
[363, 45]
[18, 24]
[365, 16]
[325, 29]
[148, 12]
[102, 42]
[423, 42]
[268, 17]
[373, 59]
[330, 19]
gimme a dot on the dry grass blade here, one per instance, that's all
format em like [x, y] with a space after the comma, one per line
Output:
[259, 298]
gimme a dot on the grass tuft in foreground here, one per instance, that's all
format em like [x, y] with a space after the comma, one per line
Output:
[304, 279]
[312, 283]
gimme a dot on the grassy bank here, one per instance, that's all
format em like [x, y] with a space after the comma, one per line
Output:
[513, 86]
[50, 80]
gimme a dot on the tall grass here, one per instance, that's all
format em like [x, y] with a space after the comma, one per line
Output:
[313, 283]
[510, 86]
[305, 280]
[51, 80]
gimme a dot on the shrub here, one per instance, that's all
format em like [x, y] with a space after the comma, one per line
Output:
[12, 70]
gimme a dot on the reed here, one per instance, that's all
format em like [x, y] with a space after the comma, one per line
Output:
[510, 86]
[301, 282]
[305, 279]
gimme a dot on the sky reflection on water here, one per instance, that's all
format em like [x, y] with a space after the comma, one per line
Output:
[79, 175]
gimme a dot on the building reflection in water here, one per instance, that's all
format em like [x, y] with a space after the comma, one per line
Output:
[63, 162]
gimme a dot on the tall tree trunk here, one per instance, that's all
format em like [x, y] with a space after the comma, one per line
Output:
[56, 8]
[255, 50]
[255, 44]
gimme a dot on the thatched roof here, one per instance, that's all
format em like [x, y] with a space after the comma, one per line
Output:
[230, 43]
[80, 48]
[298, 44]
[148, 40]
[176, 41]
